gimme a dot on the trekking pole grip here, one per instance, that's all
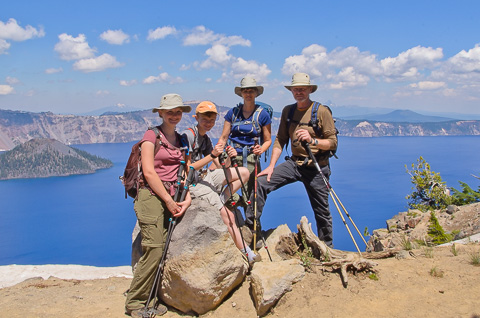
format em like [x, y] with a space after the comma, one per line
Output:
[180, 177]
[188, 182]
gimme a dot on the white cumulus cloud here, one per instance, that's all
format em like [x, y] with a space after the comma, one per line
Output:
[12, 80]
[116, 37]
[4, 46]
[6, 89]
[340, 68]
[241, 67]
[128, 83]
[71, 48]
[407, 64]
[219, 56]
[53, 70]
[465, 61]
[161, 33]
[96, 64]
[163, 77]
[102, 93]
[428, 85]
[12, 31]
[200, 36]
[349, 67]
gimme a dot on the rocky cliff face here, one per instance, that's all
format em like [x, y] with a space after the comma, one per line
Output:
[357, 128]
[18, 127]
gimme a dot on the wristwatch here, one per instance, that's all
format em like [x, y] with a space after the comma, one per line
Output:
[212, 155]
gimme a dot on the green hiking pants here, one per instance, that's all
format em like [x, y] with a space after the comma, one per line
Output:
[153, 221]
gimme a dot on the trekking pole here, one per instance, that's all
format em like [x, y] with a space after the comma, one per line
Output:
[333, 195]
[244, 192]
[221, 159]
[152, 312]
[180, 178]
[255, 211]
[255, 201]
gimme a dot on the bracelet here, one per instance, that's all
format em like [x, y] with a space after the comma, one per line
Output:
[213, 156]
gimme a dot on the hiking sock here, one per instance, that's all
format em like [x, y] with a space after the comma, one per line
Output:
[250, 254]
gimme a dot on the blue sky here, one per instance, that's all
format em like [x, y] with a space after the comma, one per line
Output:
[78, 56]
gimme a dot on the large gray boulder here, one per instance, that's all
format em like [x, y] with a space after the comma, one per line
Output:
[203, 264]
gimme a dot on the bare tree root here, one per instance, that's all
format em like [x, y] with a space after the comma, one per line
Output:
[336, 259]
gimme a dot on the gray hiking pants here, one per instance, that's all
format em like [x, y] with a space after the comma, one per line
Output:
[289, 172]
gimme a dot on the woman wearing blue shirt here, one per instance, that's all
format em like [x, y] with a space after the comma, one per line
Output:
[248, 128]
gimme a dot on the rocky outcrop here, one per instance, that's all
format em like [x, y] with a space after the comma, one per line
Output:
[412, 226]
[204, 266]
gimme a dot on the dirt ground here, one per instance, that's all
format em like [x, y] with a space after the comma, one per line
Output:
[433, 283]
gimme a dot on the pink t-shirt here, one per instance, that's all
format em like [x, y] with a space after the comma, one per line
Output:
[167, 159]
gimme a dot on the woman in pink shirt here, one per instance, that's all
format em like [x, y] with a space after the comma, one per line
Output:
[154, 205]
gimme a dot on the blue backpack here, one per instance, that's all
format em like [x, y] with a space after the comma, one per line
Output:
[254, 120]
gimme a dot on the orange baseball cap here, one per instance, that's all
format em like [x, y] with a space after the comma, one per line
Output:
[206, 107]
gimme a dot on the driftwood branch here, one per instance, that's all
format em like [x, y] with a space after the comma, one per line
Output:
[334, 258]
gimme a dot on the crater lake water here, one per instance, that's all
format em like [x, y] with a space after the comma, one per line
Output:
[86, 219]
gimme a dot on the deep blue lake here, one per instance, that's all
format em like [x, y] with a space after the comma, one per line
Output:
[87, 220]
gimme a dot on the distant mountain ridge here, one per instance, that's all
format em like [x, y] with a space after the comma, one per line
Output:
[400, 116]
[17, 127]
[40, 158]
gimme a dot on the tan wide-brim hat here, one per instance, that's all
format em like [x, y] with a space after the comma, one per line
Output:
[171, 101]
[301, 79]
[248, 82]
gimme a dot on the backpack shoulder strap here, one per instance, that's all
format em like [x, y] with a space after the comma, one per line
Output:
[291, 111]
[315, 109]
[313, 116]
[236, 111]
[255, 117]
[159, 136]
[194, 137]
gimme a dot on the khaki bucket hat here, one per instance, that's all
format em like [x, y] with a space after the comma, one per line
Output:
[248, 82]
[301, 79]
[171, 101]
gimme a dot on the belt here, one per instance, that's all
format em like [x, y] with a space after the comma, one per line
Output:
[170, 186]
[306, 161]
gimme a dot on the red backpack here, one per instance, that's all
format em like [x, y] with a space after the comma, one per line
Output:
[132, 177]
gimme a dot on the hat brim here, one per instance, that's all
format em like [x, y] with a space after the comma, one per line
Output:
[314, 87]
[185, 108]
[238, 90]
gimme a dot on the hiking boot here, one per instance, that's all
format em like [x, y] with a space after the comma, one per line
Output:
[151, 312]
[256, 259]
